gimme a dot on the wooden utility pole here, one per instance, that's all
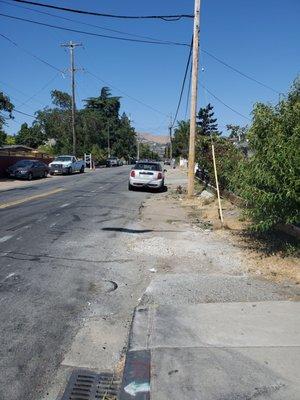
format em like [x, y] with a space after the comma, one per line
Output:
[108, 141]
[138, 147]
[171, 145]
[72, 46]
[195, 66]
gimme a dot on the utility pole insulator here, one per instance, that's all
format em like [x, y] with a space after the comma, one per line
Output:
[195, 67]
[72, 46]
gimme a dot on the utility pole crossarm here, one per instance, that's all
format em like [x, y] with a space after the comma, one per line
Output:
[71, 47]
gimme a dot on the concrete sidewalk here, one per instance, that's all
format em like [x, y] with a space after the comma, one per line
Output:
[217, 351]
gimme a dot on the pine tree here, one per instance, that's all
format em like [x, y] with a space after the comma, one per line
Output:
[206, 123]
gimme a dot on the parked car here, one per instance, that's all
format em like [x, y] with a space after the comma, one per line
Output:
[147, 174]
[28, 169]
[112, 162]
[66, 165]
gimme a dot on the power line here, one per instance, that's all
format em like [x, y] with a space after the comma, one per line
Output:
[188, 94]
[87, 24]
[94, 34]
[170, 18]
[31, 54]
[183, 83]
[17, 90]
[226, 105]
[40, 90]
[126, 94]
[240, 72]
[21, 112]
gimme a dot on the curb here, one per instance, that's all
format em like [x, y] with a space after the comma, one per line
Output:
[137, 372]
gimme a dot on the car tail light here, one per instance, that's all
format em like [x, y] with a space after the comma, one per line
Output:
[132, 174]
[159, 175]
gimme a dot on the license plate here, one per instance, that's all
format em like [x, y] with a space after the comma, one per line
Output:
[146, 173]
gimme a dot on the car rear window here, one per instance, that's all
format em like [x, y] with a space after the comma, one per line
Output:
[148, 166]
[24, 163]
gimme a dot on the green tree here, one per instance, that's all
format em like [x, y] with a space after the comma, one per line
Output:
[10, 140]
[227, 156]
[237, 132]
[124, 145]
[30, 136]
[270, 180]
[61, 100]
[206, 122]
[147, 154]
[6, 109]
[180, 140]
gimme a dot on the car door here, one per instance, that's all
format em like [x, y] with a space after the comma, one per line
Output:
[35, 170]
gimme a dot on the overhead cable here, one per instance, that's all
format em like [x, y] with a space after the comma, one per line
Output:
[224, 104]
[31, 54]
[183, 83]
[240, 72]
[86, 23]
[40, 90]
[93, 33]
[188, 93]
[126, 94]
[174, 17]
[21, 112]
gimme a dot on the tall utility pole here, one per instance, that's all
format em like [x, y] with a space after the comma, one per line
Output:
[72, 46]
[108, 141]
[138, 146]
[170, 133]
[195, 66]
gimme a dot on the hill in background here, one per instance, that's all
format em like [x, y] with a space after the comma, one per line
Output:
[157, 143]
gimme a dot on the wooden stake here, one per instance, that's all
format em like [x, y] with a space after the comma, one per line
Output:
[217, 183]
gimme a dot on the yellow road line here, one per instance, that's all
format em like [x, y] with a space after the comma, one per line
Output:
[25, 199]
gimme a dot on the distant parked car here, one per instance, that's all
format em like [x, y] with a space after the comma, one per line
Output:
[147, 174]
[112, 162]
[28, 169]
[66, 165]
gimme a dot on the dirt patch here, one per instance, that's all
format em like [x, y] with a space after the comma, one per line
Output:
[267, 255]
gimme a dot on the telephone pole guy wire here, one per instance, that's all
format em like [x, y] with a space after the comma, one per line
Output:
[71, 46]
[193, 111]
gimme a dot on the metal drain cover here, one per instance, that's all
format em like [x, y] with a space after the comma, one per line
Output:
[87, 385]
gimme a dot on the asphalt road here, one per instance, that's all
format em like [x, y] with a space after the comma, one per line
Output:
[51, 248]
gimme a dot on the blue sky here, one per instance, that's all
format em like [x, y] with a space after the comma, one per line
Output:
[260, 38]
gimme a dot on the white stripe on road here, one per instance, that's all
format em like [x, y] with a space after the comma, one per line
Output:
[9, 276]
[5, 238]
[65, 205]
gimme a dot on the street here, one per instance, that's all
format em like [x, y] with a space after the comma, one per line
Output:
[94, 276]
[58, 253]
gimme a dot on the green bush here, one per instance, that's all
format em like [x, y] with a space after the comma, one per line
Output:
[228, 157]
[269, 181]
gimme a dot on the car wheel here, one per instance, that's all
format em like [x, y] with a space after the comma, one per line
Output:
[130, 187]
[51, 173]
[45, 174]
[82, 170]
[29, 177]
[70, 170]
[162, 188]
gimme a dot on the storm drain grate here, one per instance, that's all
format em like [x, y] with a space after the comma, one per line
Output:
[86, 385]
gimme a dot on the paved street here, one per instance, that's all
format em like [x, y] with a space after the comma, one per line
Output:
[59, 253]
